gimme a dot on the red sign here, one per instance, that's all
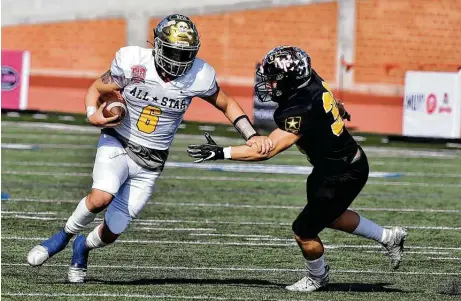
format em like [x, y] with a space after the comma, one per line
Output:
[15, 79]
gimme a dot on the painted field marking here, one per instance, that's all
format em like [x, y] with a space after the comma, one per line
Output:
[243, 269]
[227, 179]
[246, 168]
[29, 212]
[174, 229]
[151, 222]
[137, 296]
[251, 206]
[234, 243]
[412, 252]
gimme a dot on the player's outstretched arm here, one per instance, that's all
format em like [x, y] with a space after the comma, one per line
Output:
[95, 116]
[281, 141]
[211, 151]
[240, 120]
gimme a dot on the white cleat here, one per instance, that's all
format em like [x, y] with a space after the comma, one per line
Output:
[76, 275]
[394, 246]
[37, 256]
[310, 283]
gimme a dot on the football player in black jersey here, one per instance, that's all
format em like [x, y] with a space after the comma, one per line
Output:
[309, 116]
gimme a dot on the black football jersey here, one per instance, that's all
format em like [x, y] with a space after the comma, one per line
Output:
[312, 113]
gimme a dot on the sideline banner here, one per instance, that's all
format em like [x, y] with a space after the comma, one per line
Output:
[15, 79]
[432, 104]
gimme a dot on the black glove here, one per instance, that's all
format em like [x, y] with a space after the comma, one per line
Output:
[346, 116]
[342, 110]
[205, 152]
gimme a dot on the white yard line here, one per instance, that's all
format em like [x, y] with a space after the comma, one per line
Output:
[409, 164]
[151, 222]
[445, 258]
[412, 252]
[242, 269]
[227, 179]
[137, 296]
[30, 212]
[235, 243]
[174, 229]
[50, 126]
[247, 168]
[230, 235]
[250, 206]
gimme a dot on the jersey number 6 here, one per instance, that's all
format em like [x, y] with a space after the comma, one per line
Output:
[148, 119]
[329, 105]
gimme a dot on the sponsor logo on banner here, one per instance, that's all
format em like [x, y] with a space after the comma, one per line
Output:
[15, 79]
[431, 103]
[445, 107]
[414, 102]
[10, 78]
[419, 102]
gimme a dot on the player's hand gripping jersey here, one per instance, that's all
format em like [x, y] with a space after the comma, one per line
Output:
[155, 107]
[313, 114]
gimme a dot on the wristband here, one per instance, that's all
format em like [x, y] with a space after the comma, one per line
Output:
[227, 152]
[244, 127]
[90, 110]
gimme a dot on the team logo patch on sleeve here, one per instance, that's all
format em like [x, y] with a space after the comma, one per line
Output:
[293, 124]
[138, 73]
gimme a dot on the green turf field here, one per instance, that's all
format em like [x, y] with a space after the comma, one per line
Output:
[211, 235]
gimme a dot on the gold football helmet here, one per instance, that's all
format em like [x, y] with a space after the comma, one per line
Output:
[176, 43]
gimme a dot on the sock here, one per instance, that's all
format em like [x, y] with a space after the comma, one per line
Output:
[93, 240]
[370, 230]
[316, 267]
[79, 219]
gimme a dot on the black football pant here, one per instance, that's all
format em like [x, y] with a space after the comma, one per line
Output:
[329, 196]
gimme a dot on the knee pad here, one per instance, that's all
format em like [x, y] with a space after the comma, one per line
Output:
[117, 220]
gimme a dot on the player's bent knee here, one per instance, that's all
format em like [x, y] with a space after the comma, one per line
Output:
[107, 236]
[98, 200]
[116, 221]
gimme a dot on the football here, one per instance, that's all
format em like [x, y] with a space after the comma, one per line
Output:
[116, 105]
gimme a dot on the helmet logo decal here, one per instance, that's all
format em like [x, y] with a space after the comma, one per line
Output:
[286, 63]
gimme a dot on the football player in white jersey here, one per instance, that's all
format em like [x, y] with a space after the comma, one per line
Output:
[158, 86]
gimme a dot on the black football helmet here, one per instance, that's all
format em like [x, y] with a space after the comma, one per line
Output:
[176, 43]
[283, 70]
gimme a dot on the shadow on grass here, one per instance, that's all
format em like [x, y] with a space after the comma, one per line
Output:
[363, 287]
[341, 287]
[145, 281]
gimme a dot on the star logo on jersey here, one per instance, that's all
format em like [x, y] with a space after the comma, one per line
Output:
[138, 73]
[293, 124]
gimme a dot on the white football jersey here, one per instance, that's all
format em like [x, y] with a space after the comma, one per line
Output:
[156, 108]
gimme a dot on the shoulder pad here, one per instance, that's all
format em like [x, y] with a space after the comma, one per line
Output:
[201, 79]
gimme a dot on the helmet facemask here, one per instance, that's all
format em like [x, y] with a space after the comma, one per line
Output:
[176, 44]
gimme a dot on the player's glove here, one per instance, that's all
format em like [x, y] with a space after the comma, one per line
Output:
[342, 110]
[205, 152]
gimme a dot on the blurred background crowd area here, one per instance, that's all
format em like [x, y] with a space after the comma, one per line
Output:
[361, 47]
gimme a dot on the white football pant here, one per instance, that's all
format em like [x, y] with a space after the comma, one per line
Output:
[116, 173]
